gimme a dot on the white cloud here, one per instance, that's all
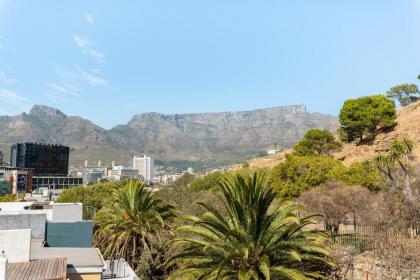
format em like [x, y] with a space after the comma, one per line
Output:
[77, 74]
[88, 48]
[71, 83]
[6, 80]
[11, 96]
[89, 18]
[12, 102]
[91, 77]
[63, 87]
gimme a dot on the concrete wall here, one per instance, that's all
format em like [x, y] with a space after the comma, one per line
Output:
[16, 244]
[73, 235]
[14, 206]
[67, 212]
[36, 222]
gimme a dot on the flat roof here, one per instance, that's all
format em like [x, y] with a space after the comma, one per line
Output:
[38, 270]
[76, 257]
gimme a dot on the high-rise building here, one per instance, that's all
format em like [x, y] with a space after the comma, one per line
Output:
[145, 165]
[1, 158]
[44, 159]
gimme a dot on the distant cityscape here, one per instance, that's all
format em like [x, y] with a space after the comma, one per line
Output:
[42, 169]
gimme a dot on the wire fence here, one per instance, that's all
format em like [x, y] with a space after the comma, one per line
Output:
[367, 237]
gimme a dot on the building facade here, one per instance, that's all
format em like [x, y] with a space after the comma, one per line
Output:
[119, 172]
[43, 159]
[145, 166]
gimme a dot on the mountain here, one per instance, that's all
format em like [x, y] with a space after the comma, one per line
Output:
[227, 136]
[408, 126]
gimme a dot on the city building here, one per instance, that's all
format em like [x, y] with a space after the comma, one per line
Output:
[21, 180]
[119, 172]
[55, 184]
[52, 241]
[272, 152]
[92, 176]
[145, 166]
[43, 159]
[1, 158]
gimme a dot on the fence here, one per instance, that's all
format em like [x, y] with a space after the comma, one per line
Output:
[366, 237]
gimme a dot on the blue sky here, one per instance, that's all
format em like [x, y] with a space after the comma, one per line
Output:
[108, 60]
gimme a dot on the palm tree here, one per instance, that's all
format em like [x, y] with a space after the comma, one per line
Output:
[399, 154]
[128, 224]
[255, 236]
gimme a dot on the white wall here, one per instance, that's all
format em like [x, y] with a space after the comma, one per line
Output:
[16, 244]
[14, 206]
[67, 212]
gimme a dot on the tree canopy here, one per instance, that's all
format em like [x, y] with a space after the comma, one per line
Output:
[300, 173]
[405, 94]
[127, 225]
[259, 237]
[317, 142]
[361, 117]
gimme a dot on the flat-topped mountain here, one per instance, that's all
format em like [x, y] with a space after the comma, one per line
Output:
[202, 136]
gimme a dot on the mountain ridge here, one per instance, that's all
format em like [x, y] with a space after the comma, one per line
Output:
[227, 135]
[407, 126]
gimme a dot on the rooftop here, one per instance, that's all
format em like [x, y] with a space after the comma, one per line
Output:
[38, 270]
[80, 259]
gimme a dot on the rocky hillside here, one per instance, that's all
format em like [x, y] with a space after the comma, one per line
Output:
[207, 136]
[408, 126]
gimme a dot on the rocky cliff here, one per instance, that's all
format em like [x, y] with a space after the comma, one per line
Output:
[205, 136]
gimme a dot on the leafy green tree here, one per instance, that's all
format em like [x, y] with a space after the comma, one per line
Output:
[208, 182]
[94, 196]
[128, 224]
[404, 93]
[300, 173]
[364, 174]
[363, 116]
[317, 142]
[260, 237]
[297, 174]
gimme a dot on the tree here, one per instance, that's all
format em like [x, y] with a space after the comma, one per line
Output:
[260, 237]
[297, 174]
[128, 224]
[363, 116]
[398, 159]
[404, 93]
[336, 202]
[317, 142]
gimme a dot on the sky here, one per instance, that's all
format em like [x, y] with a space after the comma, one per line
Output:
[108, 60]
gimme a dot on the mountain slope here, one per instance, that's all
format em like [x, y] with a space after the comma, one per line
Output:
[408, 126]
[207, 136]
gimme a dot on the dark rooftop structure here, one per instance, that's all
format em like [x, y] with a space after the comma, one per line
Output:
[44, 159]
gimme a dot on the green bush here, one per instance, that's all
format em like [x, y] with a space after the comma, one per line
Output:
[299, 173]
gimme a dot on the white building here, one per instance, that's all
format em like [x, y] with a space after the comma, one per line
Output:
[145, 165]
[119, 172]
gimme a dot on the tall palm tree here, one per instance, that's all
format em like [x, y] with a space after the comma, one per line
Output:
[128, 224]
[400, 152]
[255, 236]
[398, 159]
